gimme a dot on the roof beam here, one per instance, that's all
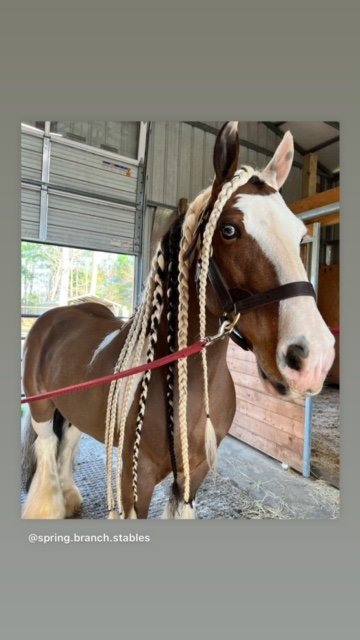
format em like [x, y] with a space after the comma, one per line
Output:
[334, 125]
[323, 145]
[243, 143]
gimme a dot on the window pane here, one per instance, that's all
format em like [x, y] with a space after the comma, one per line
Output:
[53, 276]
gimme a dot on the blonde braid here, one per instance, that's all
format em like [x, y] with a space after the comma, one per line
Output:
[139, 325]
[111, 409]
[189, 225]
[239, 178]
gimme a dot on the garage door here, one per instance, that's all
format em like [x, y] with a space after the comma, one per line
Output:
[80, 196]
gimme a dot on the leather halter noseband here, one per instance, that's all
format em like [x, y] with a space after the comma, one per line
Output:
[242, 301]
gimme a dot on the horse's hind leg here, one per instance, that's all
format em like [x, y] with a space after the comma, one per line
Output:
[45, 499]
[68, 444]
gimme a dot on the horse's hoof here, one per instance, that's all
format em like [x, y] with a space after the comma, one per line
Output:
[73, 501]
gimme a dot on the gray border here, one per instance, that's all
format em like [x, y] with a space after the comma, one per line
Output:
[279, 578]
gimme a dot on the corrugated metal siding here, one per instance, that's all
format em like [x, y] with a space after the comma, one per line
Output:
[180, 159]
[91, 172]
[119, 137]
[90, 220]
[31, 155]
[85, 222]
[30, 212]
[180, 162]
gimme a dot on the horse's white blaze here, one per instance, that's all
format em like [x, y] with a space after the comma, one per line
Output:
[278, 233]
[104, 343]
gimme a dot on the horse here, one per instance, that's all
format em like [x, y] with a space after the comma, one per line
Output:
[233, 259]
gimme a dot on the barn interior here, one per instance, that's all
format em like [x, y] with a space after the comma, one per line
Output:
[94, 191]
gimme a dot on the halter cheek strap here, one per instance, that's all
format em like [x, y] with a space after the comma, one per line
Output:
[242, 301]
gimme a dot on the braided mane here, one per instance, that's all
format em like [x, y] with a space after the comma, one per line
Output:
[170, 268]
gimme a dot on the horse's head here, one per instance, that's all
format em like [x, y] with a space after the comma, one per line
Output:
[256, 246]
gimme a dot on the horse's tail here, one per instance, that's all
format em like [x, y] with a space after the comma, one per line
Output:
[28, 437]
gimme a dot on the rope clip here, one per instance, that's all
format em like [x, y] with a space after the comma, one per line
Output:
[225, 329]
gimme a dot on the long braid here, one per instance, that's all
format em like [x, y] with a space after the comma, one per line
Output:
[157, 307]
[120, 393]
[239, 178]
[189, 225]
[136, 336]
[111, 410]
[172, 305]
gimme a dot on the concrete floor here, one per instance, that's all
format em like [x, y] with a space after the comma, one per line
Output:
[247, 484]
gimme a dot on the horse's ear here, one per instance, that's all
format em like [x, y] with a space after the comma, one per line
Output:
[280, 164]
[226, 153]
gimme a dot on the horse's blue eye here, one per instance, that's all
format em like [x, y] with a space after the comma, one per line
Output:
[230, 231]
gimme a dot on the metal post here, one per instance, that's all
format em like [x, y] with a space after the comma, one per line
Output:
[320, 212]
[307, 437]
[314, 277]
[45, 176]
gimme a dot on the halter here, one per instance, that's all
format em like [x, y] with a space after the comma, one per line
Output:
[239, 301]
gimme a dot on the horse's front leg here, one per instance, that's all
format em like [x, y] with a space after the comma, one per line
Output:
[176, 508]
[145, 489]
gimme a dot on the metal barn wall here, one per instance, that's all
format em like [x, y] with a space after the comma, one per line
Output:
[77, 195]
[179, 162]
[180, 159]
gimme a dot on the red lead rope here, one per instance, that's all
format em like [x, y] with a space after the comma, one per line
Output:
[183, 353]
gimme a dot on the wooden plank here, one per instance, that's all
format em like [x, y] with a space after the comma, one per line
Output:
[235, 353]
[276, 405]
[309, 175]
[328, 296]
[268, 432]
[252, 382]
[328, 303]
[276, 420]
[314, 202]
[245, 366]
[270, 448]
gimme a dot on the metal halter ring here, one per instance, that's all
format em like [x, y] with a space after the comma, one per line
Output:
[229, 326]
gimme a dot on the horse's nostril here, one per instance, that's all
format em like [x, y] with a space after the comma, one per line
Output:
[295, 355]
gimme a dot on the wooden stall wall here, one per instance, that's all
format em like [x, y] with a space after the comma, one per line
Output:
[328, 303]
[270, 424]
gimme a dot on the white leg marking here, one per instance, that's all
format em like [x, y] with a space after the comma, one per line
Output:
[104, 343]
[68, 445]
[183, 511]
[45, 499]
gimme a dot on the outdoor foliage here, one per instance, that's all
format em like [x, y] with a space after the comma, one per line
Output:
[52, 275]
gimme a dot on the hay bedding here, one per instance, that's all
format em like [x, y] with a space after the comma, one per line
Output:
[218, 497]
[325, 436]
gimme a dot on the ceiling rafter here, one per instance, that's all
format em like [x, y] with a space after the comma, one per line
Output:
[275, 129]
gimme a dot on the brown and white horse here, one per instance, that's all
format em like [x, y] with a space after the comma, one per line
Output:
[173, 419]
